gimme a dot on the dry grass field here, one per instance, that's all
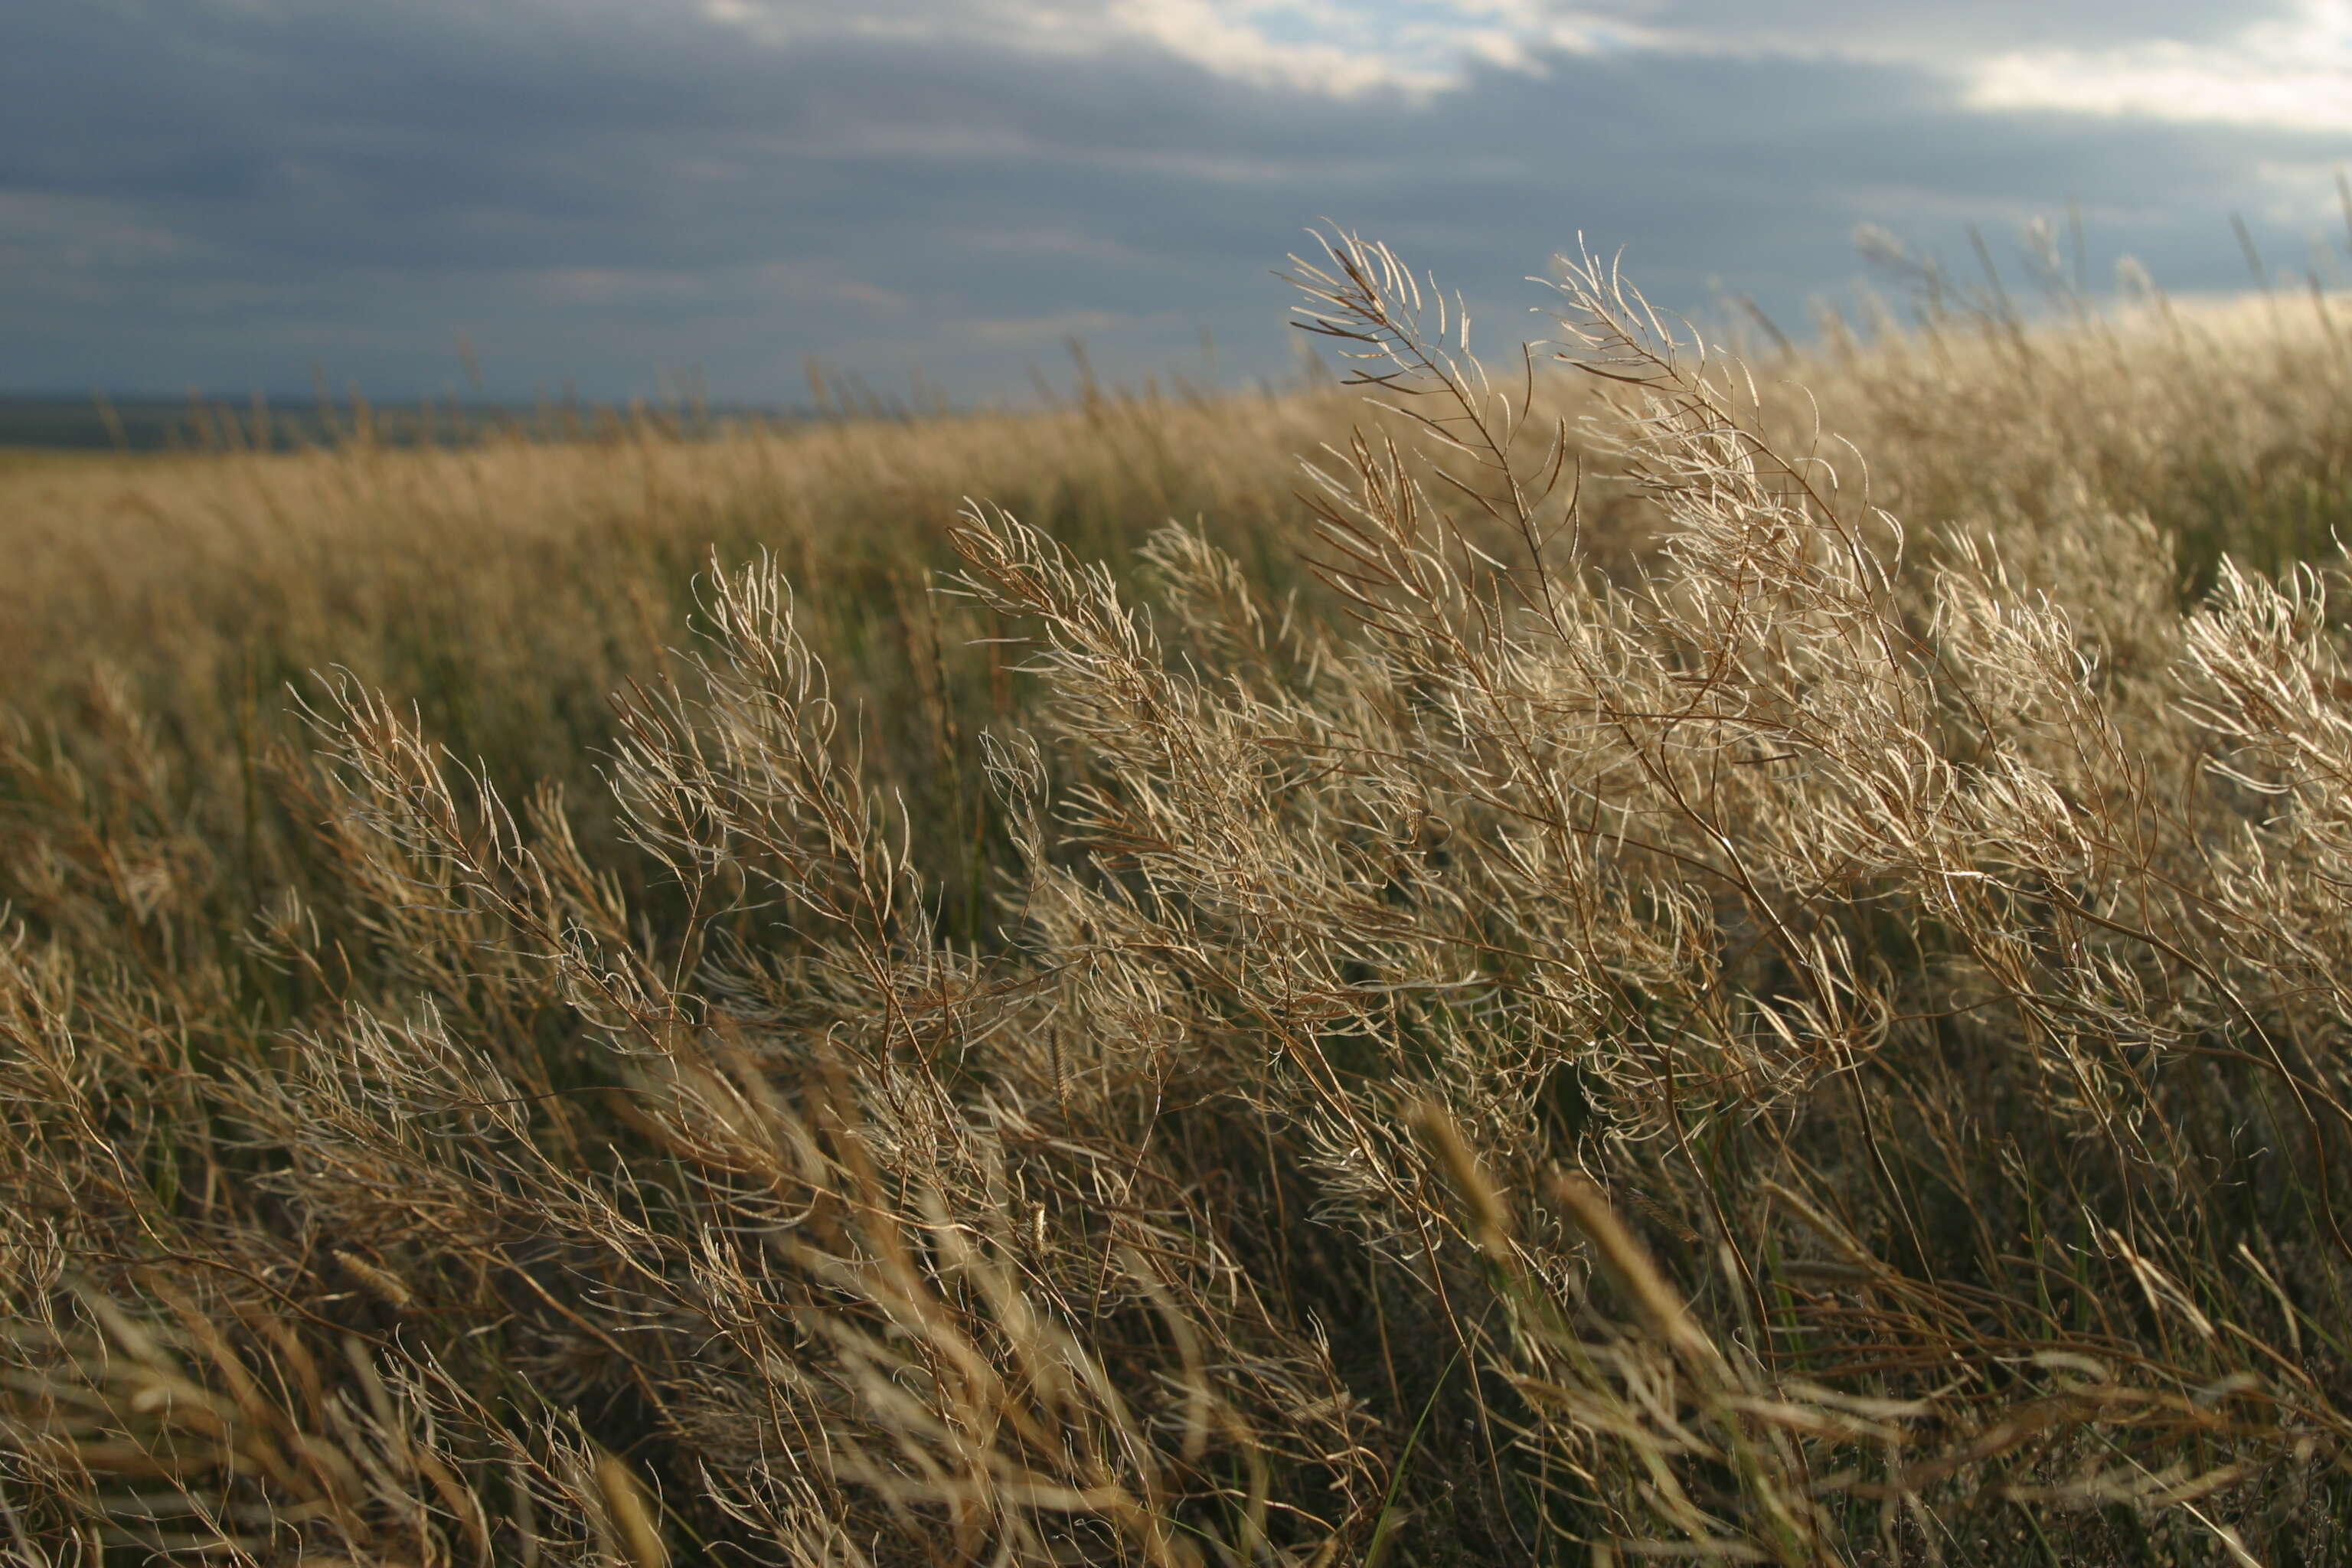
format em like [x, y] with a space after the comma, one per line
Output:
[1651, 958]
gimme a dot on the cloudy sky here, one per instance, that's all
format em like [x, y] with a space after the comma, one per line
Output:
[222, 193]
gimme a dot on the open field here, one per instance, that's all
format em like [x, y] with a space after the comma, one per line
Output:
[94, 422]
[1651, 961]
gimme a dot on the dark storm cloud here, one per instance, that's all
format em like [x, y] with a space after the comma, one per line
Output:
[221, 192]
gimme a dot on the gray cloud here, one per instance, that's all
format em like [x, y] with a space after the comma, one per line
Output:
[213, 192]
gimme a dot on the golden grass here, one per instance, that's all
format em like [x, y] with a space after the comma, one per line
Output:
[1575, 982]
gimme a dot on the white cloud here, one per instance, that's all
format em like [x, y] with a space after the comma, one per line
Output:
[1346, 48]
[1313, 54]
[1932, 36]
[2191, 60]
[1334, 48]
[2289, 74]
[2267, 64]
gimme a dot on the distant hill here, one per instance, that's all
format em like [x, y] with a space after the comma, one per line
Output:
[92, 423]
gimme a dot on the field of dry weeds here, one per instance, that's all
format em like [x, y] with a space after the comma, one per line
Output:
[1645, 957]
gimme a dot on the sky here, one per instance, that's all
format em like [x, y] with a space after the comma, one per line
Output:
[628, 195]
